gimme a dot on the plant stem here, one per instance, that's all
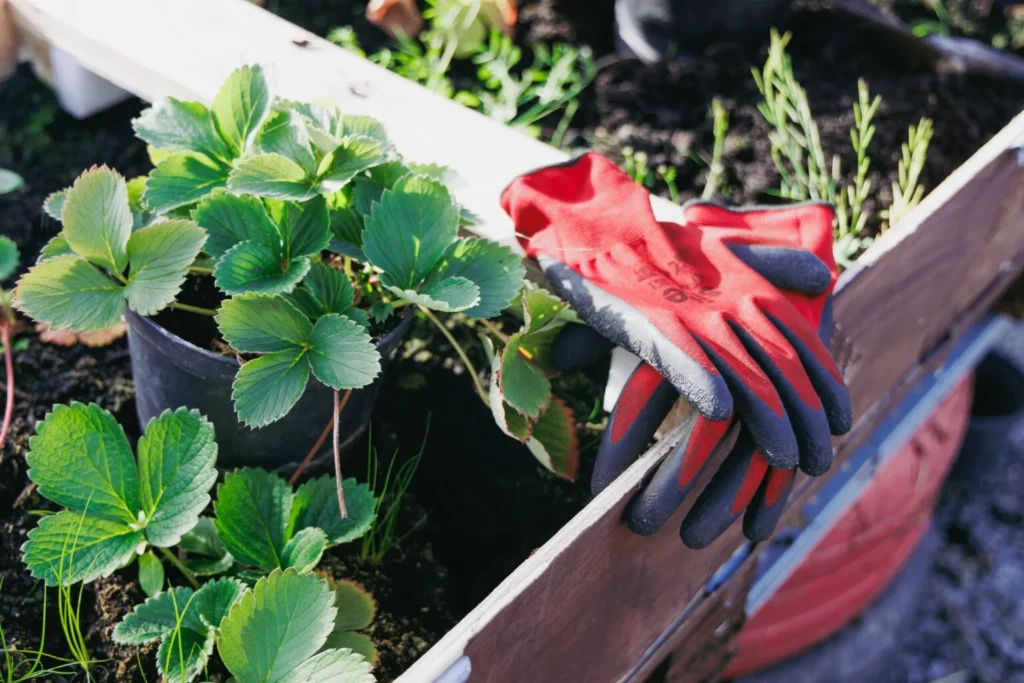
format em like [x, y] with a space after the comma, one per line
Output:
[200, 270]
[5, 336]
[459, 350]
[193, 309]
[494, 329]
[337, 450]
[185, 571]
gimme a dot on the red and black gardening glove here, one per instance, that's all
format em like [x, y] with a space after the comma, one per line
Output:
[722, 308]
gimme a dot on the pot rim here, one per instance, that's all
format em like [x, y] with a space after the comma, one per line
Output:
[156, 328]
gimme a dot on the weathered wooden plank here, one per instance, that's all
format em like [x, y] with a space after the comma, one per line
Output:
[589, 603]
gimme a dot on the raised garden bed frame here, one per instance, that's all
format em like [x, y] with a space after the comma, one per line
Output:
[594, 603]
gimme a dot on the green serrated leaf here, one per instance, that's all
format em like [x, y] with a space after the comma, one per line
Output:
[365, 193]
[271, 175]
[177, 468]
[447, 295]
[554, 442]
[354, 124]
[97, 219]
[409, 230]
[213, 601]
[183, 179]
[230, 219]
[251, 515]
[183, 654]
[304, 549]
[316, 505]
[508, 420]
[541, 308]
[56, 246]
[359, 643]
[359, 316]
[285, 133]
[151, 574]
[181, 126]
[68, 291]
[266, 388]
[80, 458]
[240, 106]
[354, 155]
[202, 540]
[342, 355]
[347, 230]
[8, 257]
[496, 270]
[305, 227]
[523, 385]
[204, 566]
[331, 287]
[381, 311]
[53, 205]
[302, 299]
[156, 617]
[160, 256]
[261, 323]
[249, 267]
[10, 181]
[356, 607]
[69, 547]
[290, 616]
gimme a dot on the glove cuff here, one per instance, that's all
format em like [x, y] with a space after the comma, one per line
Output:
[574, 211]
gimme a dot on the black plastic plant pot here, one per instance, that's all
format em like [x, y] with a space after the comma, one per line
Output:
[170, 372]
[997, 410]
[656, 29]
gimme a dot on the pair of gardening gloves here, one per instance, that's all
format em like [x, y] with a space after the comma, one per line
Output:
[729, 309]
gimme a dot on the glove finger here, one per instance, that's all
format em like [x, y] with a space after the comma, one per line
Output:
[757, 402]
[627, 327]
[827, 325]
[577, 346]
[764, 511]
[675, 477]
[797, 270]
[726, 496]
[820, 368]
[645, 401]
[807, 416]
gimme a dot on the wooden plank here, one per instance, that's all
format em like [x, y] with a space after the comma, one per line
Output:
[589, 603]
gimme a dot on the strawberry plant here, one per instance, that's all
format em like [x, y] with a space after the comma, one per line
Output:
[291, 617]
[520, 394]
[266, 196]
[356, 611]
[114, 505]
[264, 525]
[282, 630]
[185, 621]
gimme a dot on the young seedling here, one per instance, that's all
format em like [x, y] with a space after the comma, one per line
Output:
[185, 621]
[801, 161]
[716, 170]
[8, 264]
[115, 507]
[382, 536]
[20, 666]
[293, 615]
[264, 525]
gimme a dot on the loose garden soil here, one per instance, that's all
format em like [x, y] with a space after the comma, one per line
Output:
[479, 503]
